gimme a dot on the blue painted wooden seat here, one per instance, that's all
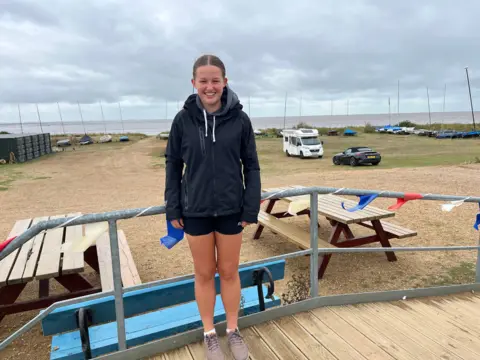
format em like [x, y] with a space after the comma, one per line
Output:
[150, 313]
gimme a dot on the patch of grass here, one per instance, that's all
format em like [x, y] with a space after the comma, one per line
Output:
[460, 274]
[158, 156]
[396, 150]
[8, 175]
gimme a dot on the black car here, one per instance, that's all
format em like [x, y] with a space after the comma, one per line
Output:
[357, 155]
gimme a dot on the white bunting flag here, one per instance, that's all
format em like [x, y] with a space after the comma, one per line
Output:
[452, 204]
[92, 233]
[299, 205]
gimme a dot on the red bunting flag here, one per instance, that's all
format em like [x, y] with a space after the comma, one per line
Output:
[4, 244]
[406, 197]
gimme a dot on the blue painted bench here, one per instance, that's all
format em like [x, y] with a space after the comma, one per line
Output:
[150, 314]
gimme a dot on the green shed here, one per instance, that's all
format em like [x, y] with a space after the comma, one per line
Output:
[24, 147]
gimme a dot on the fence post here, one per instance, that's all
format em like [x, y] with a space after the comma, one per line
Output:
[314, 244]
[117, 285]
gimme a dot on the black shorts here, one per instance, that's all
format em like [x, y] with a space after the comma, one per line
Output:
[227, 225]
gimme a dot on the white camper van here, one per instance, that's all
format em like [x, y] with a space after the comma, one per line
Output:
[302, 142]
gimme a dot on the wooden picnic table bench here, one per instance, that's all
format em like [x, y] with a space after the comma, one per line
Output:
[43, 258]
[340, 219]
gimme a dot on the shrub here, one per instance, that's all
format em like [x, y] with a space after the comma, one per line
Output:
[298, 289]
[369, 128]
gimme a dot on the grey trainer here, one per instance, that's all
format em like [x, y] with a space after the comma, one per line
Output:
[212, 347]
[237, 346]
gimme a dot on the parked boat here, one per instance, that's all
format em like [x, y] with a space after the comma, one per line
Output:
[86, 140]
[105, 139]
[64, 142]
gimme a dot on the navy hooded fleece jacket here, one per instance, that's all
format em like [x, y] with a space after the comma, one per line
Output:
[219, 156]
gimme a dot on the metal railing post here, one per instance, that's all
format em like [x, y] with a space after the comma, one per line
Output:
[117, 285]
[314, 244]
[477, 273]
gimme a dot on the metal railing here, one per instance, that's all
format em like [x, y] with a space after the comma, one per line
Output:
[315, 300]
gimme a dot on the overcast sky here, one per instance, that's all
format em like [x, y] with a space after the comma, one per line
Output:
[140, 53]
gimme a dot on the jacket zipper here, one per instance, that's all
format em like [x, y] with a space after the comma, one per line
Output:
[186, 191]
[202, 140]
[214, 176]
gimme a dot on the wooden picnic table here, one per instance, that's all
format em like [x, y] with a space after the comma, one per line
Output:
[43, 258]
[340, 219]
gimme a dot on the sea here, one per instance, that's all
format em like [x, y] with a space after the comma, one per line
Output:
[156, 126]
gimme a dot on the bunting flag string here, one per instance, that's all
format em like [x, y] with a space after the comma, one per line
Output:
[4, 244]
[364, 200]
[402, 201]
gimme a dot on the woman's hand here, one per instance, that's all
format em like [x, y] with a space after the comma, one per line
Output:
[245, 224]
[177, 224]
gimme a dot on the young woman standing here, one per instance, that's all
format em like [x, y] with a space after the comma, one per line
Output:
[213, 191]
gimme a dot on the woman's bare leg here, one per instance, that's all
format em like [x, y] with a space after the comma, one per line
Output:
[203, 252]
[228, 257]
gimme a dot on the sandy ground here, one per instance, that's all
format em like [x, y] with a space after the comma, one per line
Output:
[117, 176]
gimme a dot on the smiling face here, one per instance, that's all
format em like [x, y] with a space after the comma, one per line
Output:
[209, 82]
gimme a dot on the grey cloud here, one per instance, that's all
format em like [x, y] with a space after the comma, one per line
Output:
[96, 50]
[19, 10]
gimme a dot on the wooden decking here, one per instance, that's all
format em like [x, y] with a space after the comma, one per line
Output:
[429, 328]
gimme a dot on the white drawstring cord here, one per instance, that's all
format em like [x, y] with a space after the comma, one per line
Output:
[205, 118]
[213, 131]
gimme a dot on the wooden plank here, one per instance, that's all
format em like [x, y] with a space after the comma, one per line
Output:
[292, 232]
[334, 208]
[149, 326]
[378, 337]
[73, 262]
[197, 350]
[454, 349]
[178, 354]
[257, 347]
[32, 261]
[49, 262]
[129, 270]
[149, 299]
[16, 276]
[441, 347]
[157, 357]
[340, 348]
[369, 210]
[410, 340]
[7, 263]
[428, 317]
[355, 338]
[278, 342]
[333, 204]
[398, 231]
[104, 261]
[461, 315]
[309, 346]
[459, 311]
